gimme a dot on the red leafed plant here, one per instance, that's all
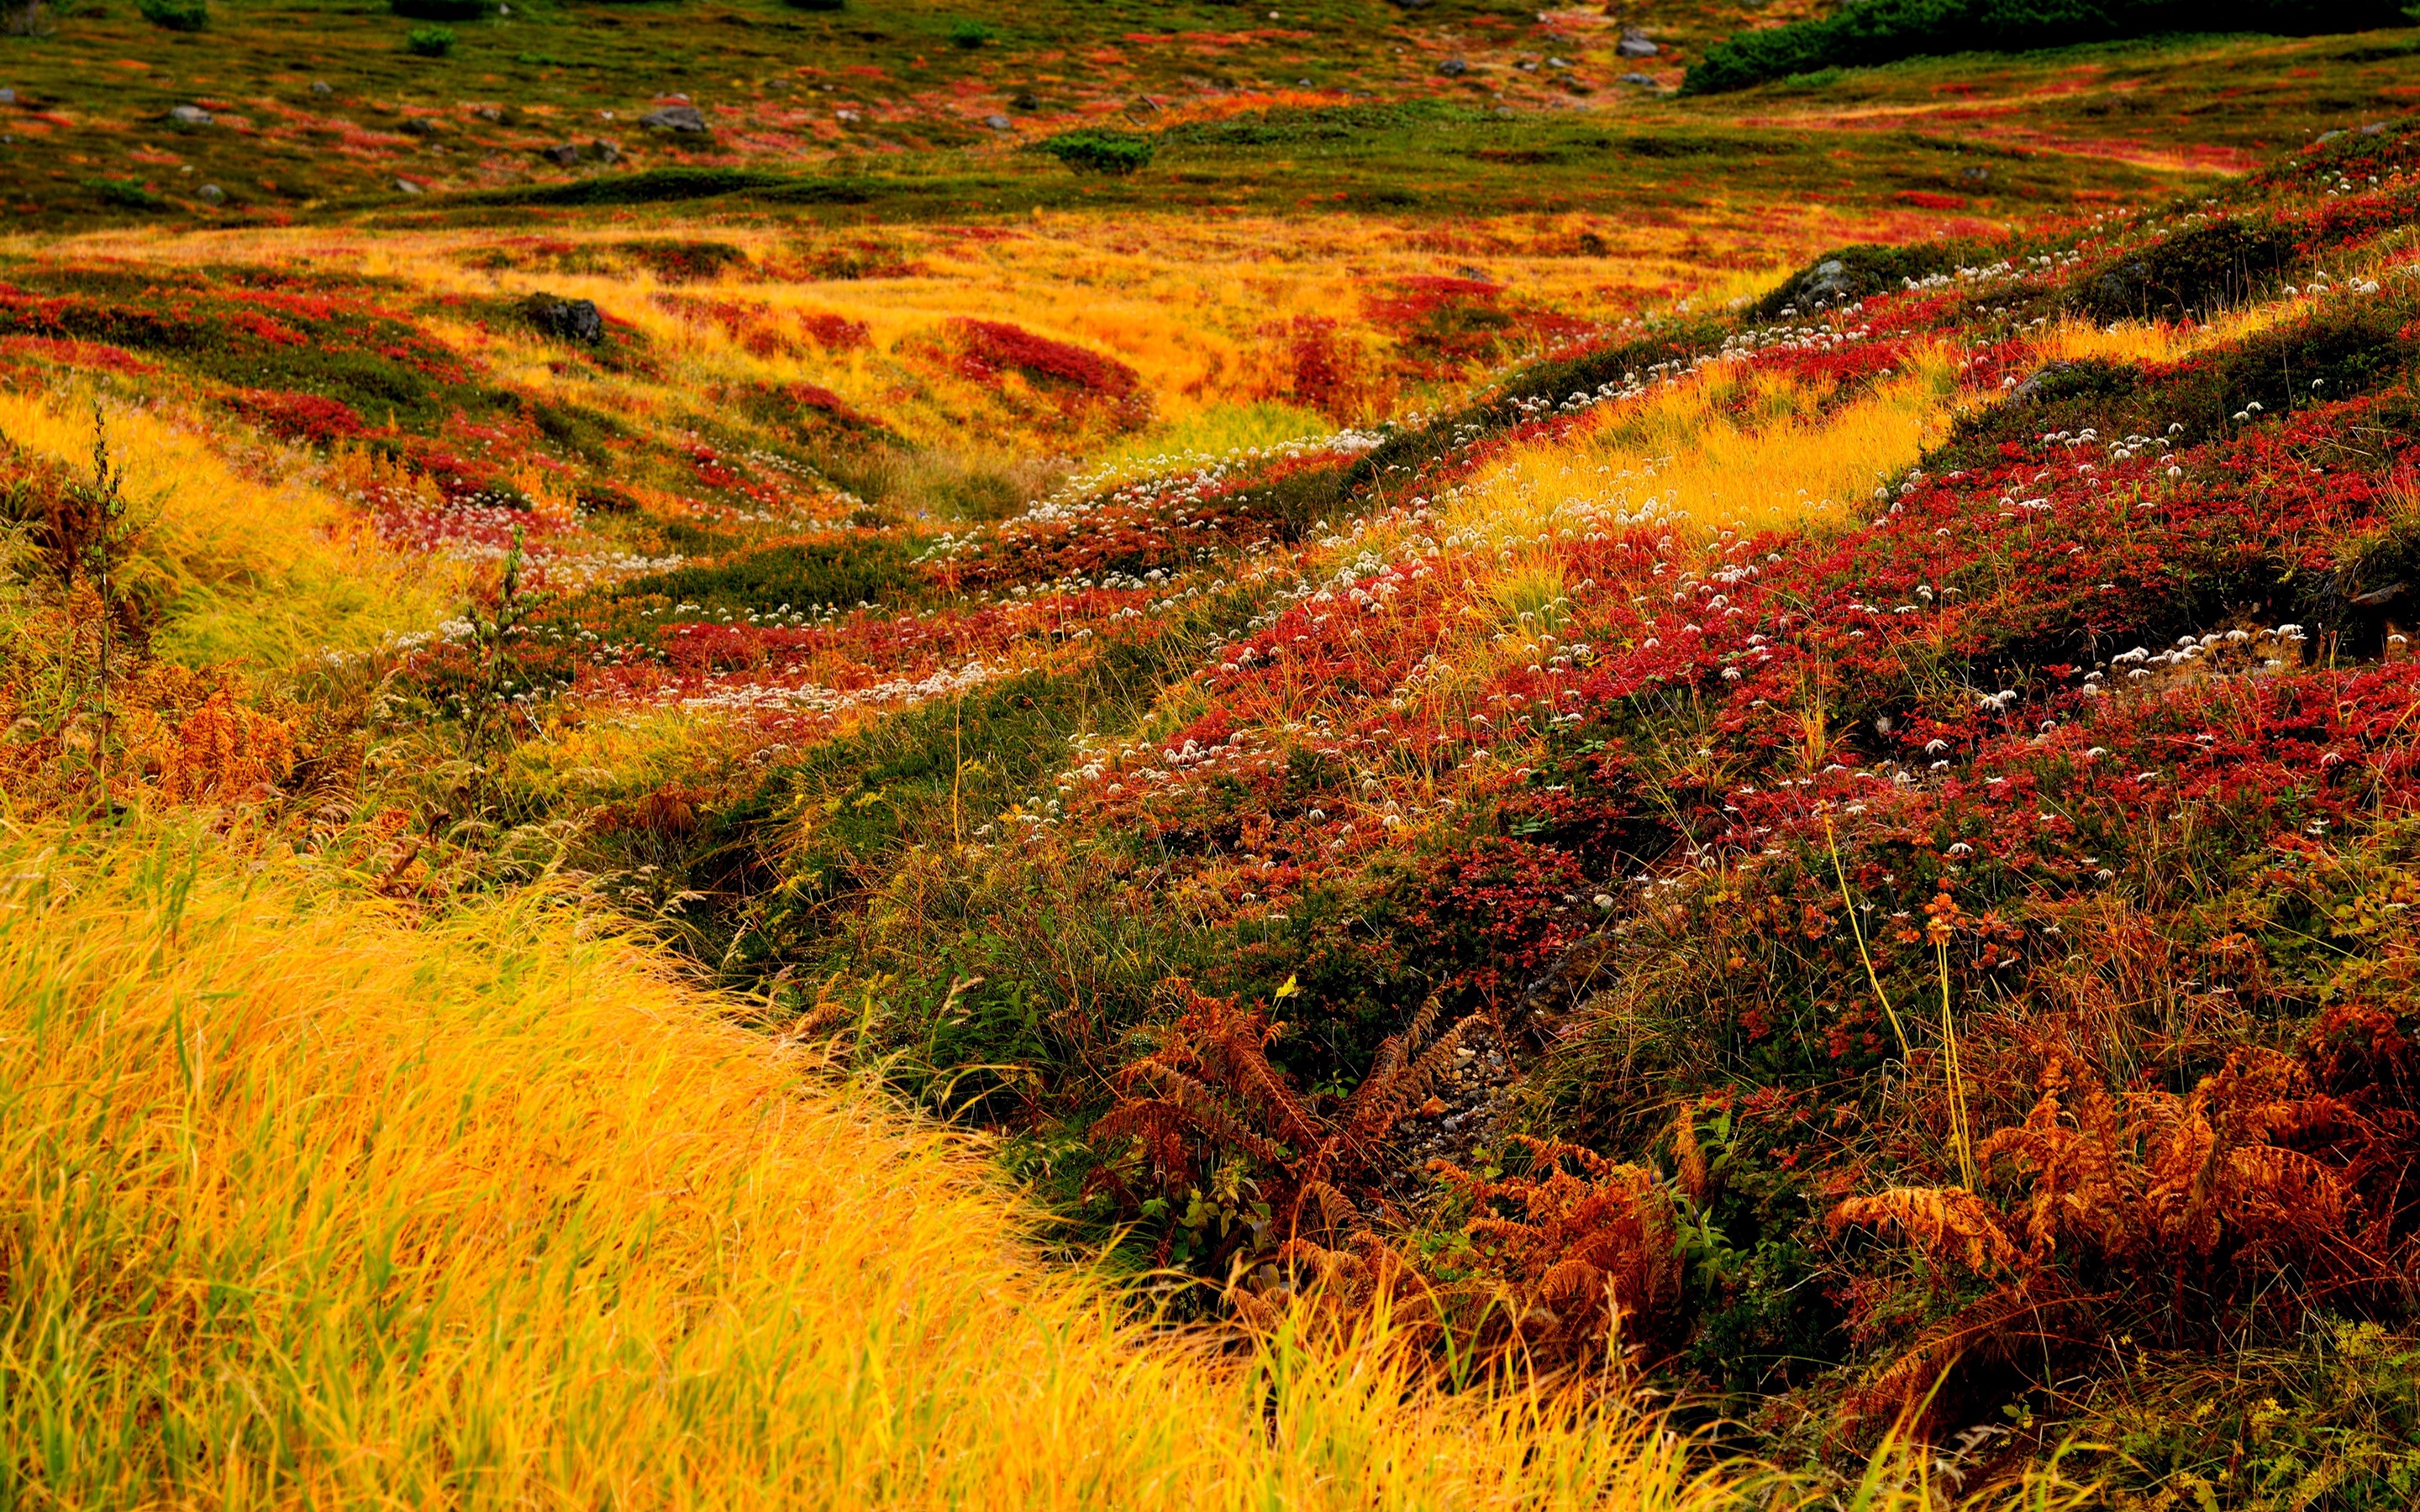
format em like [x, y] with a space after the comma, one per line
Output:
[986, 349]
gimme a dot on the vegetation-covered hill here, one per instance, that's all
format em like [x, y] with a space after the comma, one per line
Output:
[1529, 755]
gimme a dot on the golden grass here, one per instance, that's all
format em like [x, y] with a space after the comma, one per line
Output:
[1202, 312]
[264, 571]
[1723, 449]
[301, 1203]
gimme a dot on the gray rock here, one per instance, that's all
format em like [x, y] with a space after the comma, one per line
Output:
[571, 154]
[190, 116]
[565, 319]
[1638, 78]
[7, 97]
[211, 195]
[489, 113]
[1454, 67]
[1827, 284]
[423, 126]
[998, 123]
[1634, 43]
[320, 87]
[674, 118]
[405, 186]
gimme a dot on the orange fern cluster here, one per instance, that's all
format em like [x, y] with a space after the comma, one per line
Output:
[220, 752]
[2178, 1214]
[1586, 1250]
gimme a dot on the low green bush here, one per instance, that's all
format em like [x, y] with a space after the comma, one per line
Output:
[176, 15]
[970, 33]
[1886, 31]
[428, 41]
[444, 9]
[1101, 151]
[125, 195]
[1847, 274]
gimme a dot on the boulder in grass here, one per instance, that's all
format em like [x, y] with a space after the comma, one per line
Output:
[998, 123]
[1454, 67]
[190, 116]
[565, 319]
[211, 195]
[1634, 43]
[674, 118]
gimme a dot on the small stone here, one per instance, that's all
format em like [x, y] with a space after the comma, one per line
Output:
[211, 195]
[489, 113]
[1302, 83]
[674, 118]
[1638, 78]
[604, 151]
[320, 87]
[7, 97]
[405, 186]
[998, 123]
[190, 116]
[1454, 67]
[423, 126]
[563, 154]
[1634, 43]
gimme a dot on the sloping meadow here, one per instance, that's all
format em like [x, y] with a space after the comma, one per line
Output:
[1847, 855]
[1907, 782]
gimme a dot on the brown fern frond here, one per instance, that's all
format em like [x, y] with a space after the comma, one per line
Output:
[1692, 1160]
[1949, 1224]
[1984, 1328]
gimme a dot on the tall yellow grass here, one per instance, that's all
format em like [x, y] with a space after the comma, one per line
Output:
[1723, 449]
[301, 1204]
[264, 569]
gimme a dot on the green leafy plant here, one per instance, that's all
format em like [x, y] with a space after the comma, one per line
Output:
[428, 41]
[1102, 152]
[176, 15]
[125, 195]
[970, 33]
